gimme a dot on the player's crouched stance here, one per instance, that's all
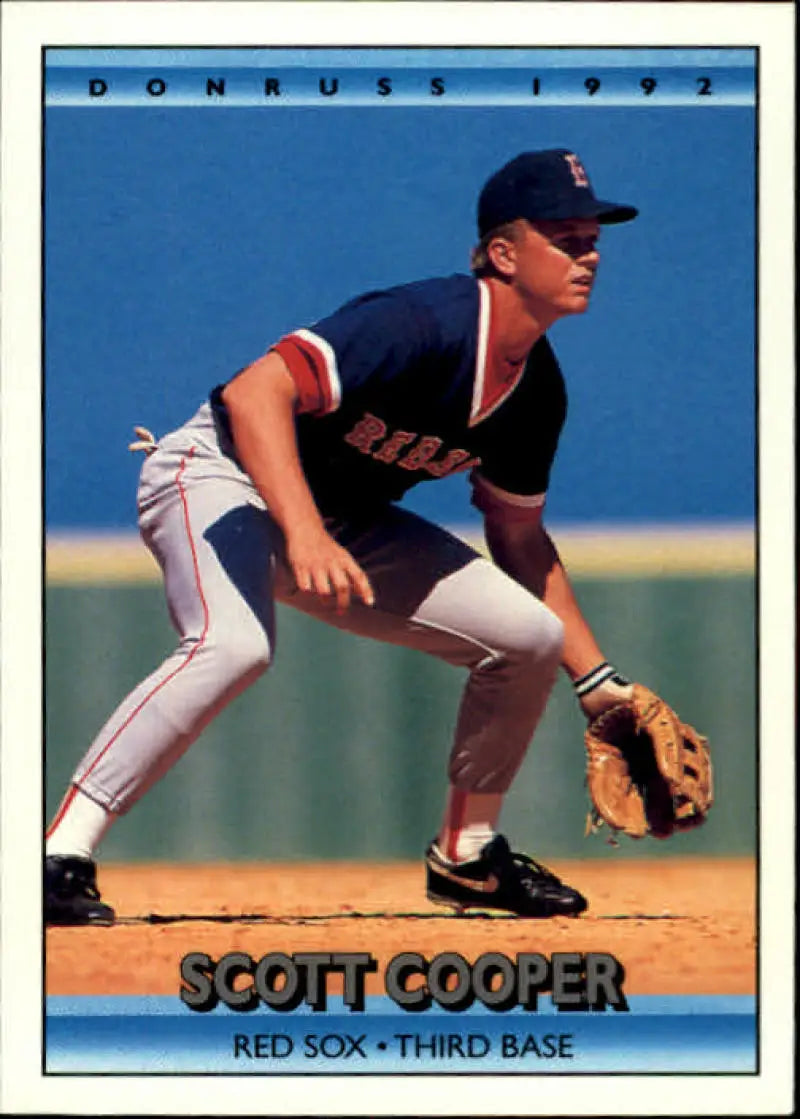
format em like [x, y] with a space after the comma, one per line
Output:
[285, 485]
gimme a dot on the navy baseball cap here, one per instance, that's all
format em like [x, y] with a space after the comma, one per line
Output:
[544, 186]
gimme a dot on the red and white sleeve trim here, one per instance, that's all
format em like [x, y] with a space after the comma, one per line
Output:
[312, 363]
[496, 502]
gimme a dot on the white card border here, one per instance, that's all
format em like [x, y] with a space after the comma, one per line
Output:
[26, 27]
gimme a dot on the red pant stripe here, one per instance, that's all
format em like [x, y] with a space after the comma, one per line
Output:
[59, 816]
[203, 635]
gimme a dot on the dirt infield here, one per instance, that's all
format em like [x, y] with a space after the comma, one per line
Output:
[679, 927]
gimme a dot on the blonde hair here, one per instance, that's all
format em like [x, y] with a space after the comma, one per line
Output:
[479, 261]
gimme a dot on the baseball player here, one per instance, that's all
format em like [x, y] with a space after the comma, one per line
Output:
[284, 486]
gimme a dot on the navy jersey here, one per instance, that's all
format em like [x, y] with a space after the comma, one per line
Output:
[403, 386]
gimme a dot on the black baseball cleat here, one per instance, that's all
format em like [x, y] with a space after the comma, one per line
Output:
[71, 896]
[500, 879]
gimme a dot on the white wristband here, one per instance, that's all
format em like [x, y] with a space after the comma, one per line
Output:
[599, 675]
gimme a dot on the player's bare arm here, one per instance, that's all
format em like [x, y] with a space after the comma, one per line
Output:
[261, 404]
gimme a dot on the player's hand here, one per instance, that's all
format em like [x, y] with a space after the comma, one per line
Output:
[321, 566]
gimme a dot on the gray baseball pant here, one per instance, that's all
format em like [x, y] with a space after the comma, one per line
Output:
[223, 563]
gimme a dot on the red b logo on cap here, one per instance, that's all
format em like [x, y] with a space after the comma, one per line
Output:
[579, 176]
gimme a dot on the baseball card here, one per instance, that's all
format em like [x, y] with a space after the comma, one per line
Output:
[397, 519]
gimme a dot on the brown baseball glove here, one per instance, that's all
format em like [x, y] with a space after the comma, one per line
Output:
[647, 772]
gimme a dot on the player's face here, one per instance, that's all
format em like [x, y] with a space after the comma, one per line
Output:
[555, 266]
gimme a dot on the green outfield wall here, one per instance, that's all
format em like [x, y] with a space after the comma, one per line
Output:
[340, 750]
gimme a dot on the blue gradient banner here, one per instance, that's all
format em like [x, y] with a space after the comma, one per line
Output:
[157, 1034]
[536, 78]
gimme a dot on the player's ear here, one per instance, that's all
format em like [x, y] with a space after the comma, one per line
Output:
[502, 254]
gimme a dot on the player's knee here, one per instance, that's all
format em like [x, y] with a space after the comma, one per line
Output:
[533, 631]
[550, 644]
[250, 654]
[242, 655]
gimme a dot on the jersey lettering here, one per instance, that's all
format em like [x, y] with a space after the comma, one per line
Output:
[394, 445]
[453, 461]
[421, 454]
[370, 430]
[366, 432]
